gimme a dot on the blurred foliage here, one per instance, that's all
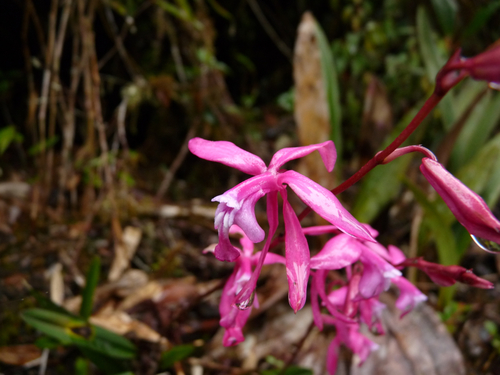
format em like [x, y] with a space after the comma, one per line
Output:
[107, 350]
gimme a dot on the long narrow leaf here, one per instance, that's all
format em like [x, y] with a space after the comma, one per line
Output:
[434, 59]
[90, 285]
[329, 72]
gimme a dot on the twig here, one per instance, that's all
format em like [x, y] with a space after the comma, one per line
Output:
[167, 180]
[174, 46]
[68, 127]
[32, 94]
[46, 82]
[412, 253]
[55, 86]
[270, 30]
[43, 361]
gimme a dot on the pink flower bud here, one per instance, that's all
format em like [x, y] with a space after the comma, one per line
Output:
[468, 207]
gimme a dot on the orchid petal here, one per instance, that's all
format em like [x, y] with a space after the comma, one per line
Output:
[246, 220]
[467, 206]
[245, 294]
[338, 296]
[245, 242]
[396, 256]
[272, 258]
[326, 150]
[233, 336]
[297, 257]
[332, 356]
[376, 274]
[409, 295]
[319, 230]
[325, 204]
[224, 250]
[339, 252]
[228, 154]
[318, 282]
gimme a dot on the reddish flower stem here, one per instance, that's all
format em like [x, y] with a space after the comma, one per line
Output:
[428, 106]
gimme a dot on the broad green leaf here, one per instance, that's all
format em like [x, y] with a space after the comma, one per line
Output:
[52, 329]
[60, 319]
[107, 365]
[113, 345]
[176, 354]
[427, 41]
[90, 285]
[446, 12]
[477, 130]
[434, 59]
[482, 173]
[329, 73]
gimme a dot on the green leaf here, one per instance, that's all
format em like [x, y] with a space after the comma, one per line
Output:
[176, 354]
[46, 304]
[220, 10]
[480, 19]
[329, 73]
[104, 363]
[112, 344]
[69, 330]
[57, 330]
[81, 366]
[296, 370]
[482, 173]
[45, 342]
[8, 135]
[477, 130]
[60, 319]
[446, 12]
[434, 59]
[90, 285]
[42, 146]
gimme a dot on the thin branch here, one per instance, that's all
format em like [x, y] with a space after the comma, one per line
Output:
[285, 50]
[169, 176]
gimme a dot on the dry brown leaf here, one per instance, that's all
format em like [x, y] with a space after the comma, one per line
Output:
[130, 282]
[124, 251]
[54, 273]
[377, 116]
[18, 355]
[311, 107]
[122, 323]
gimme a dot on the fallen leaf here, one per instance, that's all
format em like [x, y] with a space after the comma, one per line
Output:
[124, 251]
[18, 355]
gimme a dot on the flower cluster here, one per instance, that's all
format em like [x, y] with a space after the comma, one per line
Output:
[370, 268]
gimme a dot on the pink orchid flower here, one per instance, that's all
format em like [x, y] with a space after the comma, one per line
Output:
[233, 318]
[237, 206]
[467, 206]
